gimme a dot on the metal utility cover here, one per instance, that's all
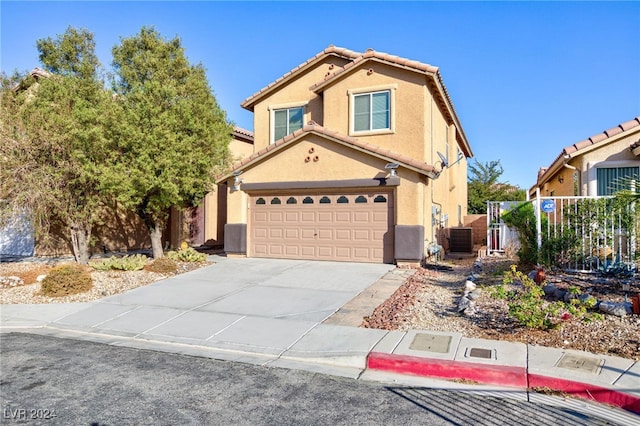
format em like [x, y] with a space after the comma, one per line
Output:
[581, 363]
[480, 353]
[430, 343]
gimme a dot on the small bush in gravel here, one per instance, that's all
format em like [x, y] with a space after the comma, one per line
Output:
[126, 263]
[164, 265]
[187, 255]
[65, 280]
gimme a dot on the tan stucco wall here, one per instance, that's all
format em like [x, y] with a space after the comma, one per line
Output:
[240, 149]
[296, 91]
[408, 99]
[335, 162]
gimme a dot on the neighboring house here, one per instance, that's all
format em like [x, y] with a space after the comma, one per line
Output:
[595, 165]
[357, 157]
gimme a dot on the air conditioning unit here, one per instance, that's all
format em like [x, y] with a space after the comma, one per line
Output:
[461, 240]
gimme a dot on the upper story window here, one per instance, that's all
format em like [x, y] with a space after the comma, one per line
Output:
[372, 110]
[286, 121]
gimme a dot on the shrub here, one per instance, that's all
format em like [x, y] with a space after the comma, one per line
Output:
[187, 255]
[65, 280]
[529, 308]
[164, 265]
[126, 263]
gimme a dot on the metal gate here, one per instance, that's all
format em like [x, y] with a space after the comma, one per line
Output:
[585, 234]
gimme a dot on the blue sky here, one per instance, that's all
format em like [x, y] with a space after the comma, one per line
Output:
[526, 78]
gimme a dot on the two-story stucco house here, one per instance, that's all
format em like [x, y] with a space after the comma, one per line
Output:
[357, 157]
[593, 166]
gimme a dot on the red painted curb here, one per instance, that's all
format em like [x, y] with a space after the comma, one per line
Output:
[433, 367]
[587, 391]
[498, 375]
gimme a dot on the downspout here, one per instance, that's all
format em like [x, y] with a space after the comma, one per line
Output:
[434, 220]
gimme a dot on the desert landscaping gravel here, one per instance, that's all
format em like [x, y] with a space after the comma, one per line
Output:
[429, 301]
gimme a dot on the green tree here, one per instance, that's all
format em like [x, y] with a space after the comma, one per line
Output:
[484, 185]
[171, 137]
[53, 150]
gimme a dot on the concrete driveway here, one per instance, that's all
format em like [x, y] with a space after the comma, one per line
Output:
[269, 308]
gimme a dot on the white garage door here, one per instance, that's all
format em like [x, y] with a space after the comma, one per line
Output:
[355, 227]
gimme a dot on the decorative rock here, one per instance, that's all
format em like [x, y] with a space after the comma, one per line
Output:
[471, 310]
[474, 294]
[613, 308]
[559, 294]
[41, 277]
[549, 290]
[470, 285]
[532, 275]
[12, 281]
[464, 303]
[472, 277]
[587, 300]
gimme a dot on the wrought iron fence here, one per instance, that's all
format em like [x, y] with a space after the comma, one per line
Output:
[586, 234]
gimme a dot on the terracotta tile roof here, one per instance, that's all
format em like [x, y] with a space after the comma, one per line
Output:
[331, 50]
[382, 57]
[571, 150]
[312, 127]
[243, 133]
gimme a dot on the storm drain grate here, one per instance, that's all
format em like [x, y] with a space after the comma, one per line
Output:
[480, 353]
[430, 343]
[581, 363]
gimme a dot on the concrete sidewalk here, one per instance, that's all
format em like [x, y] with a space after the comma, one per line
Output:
[287, 313]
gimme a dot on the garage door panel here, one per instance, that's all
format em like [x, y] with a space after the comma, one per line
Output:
[341, 227]
[291, 217]
[308, 216]
[344, 217]
[275, 250]
[276, 233]
[275, 217]
[260, 250]
[325, 217]
[361, 235]
[325, 252]
[292, 233]
[343, 253]
[308, 234]
[260, 232]
[325, 234]
[292, 250]
[343, 234]
[308, 251]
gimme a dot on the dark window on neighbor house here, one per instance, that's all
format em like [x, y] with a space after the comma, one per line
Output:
[380, 199]
[325, 200]
[613, 179]
[307, 200]
[286, 121]
[292, 200]
[372, 111]
[275, 200]
[343, 200]
[260, 201]
[361, 199]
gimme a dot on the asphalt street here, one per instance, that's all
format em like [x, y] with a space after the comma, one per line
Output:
[51, 381]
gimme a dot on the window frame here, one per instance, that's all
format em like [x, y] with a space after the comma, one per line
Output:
[353, 93]
[284, 107]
